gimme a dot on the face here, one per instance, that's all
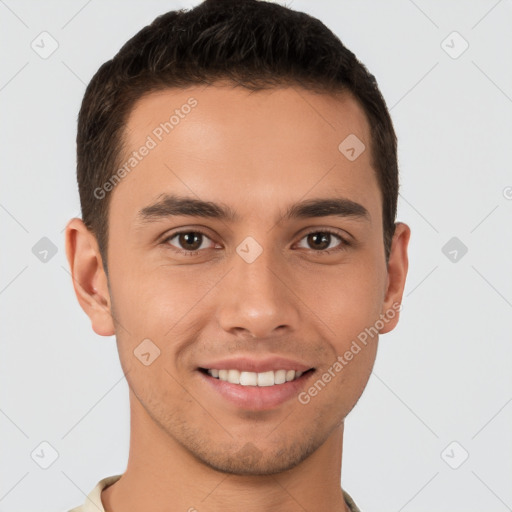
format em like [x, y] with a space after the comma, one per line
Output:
[268, 281]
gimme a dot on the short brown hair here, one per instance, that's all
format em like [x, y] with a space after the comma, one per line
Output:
[251, 43]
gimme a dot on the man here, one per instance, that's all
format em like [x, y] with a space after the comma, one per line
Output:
[238, 181]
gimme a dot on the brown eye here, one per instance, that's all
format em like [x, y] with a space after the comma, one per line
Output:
[321, 240]
[190, 241]
[187, 241]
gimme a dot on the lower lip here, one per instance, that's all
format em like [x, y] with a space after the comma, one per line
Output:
[257, 398]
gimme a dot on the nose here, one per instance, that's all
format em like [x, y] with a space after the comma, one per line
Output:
[257, 298]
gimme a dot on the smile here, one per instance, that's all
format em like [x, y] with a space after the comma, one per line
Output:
[262, 391]
[263, 379]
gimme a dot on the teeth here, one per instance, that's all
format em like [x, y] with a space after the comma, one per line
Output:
[266, 379]
[234, 376]
[262, 379]
[248, 379]
[280, 377]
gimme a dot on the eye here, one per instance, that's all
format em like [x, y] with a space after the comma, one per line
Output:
[190, 242]
[321, 239]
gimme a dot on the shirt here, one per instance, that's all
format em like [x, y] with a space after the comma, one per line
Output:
[93, 502]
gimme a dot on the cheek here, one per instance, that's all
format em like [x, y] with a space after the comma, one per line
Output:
[159, 305]
[348, 302]
[347, 297]
[351, 380]
[149, 300]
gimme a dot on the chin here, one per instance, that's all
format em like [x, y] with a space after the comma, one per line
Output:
[249, 460]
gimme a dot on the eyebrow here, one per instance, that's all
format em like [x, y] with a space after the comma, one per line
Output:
[170, 205]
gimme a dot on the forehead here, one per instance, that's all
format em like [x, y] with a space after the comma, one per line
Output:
[246, 149]
[292, 113]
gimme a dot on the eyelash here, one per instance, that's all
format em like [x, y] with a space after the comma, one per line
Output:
[343, 245]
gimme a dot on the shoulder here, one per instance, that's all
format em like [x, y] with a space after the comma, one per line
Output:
[93, 501]
[350, 502]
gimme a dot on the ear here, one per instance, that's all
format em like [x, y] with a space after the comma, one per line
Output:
[89, 278]
[397, 272]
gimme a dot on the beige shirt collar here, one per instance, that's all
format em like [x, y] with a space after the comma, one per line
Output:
[93, 502]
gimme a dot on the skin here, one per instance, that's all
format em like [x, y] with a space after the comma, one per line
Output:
[258, 153]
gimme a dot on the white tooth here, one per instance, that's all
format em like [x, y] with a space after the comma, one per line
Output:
[234, 376]
[266, 378]
[248, 379]
[290, 375]
[280, 377]
[262, 379]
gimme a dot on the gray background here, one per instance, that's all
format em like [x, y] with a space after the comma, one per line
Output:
[442, 376]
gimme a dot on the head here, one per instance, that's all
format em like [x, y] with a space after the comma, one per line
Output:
[242, 105]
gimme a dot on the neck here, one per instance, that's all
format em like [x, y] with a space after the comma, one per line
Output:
[162, 475]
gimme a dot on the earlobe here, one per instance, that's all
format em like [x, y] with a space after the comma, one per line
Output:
[89, 278]
[397, 272]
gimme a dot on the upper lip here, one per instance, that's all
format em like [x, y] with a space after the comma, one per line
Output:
[248, 364]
